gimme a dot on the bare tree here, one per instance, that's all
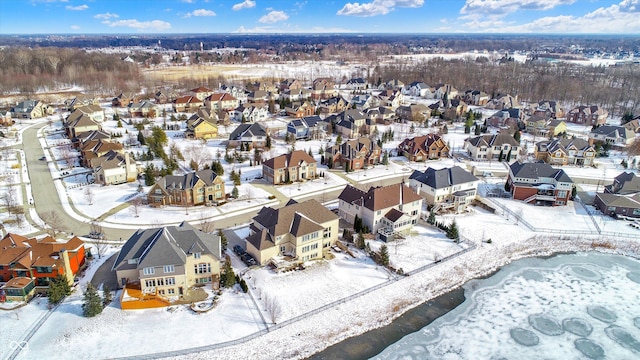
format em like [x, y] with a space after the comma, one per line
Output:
[206, 225]
[99, 240]
[89, 194]
[9, 198]
[273, 307]
[67, 155]
[198, 154]
[134, 206]
[53, 223]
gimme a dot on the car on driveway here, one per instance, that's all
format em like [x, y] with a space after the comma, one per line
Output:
[248, 259]
[43, 158]
[238, 249]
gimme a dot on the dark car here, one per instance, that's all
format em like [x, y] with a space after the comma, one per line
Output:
[248, 259]
[238, 249]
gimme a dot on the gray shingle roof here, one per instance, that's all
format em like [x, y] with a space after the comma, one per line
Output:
[439, 179]
[537, 170]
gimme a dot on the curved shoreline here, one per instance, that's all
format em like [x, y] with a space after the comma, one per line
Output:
[380, 308]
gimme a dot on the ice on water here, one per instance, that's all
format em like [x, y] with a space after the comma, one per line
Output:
[566, 307]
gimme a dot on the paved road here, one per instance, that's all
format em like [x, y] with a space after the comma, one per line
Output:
[104, 275]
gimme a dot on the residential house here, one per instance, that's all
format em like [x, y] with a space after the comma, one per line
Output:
[250, 113]
[511, 117]
[393, 84]
[548, 108]
[302, 231]
[627, 183]
[538, 183]
[419, 89]
[364, 101]
[92, 135]
[445, 189]
[187, 103]
[145, 109]
[587, 115]
[323, 88]
[124, 99]
[296, 94]
[235, 91]
[413, 112]
[162, 97]
[565, 152]
[94, 112]
[79, 101]
[542, 125]
[201, 93]
[259, 97]
[31, 109]
[28, 265]
[333, 105]
[300, 109]
[166, 262]
[221, 101]
[191, 189]
[390, 98]
[248, 136]
[290, 84]
[354, 154]
[352, 123]
[476, 97]
[497, 147]
[458, 106]
[114, 168]
[612, 134]
[93, 149]
[442, 89]
[384, 209]
[422, 148]
[76, 125]
[201, 128]
[633, 125]
[620, 198]
[309, 127]
[356, 84]
[294, 166]
[381, 115]
[5, 118]
[504, 101]
[218, 117]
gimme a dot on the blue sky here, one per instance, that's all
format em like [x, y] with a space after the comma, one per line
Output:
[319, 16]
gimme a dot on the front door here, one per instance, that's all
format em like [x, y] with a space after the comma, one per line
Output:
[180, 292]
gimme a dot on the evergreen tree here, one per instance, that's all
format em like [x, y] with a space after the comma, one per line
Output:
[385, 158]
[150, 175]
[452, 231]
[357, 224]
[234, 192]
[223, 239]
[508, 158]
[227, 278]
[476, 130]
[309, 152]
[116, 117]
[516, 135]
[501, 156]
[107, 296]
[92, 304]
[360, 243]
[243, 286]
[119, 124]
[383, 254]
[58, 289]
[467, 129]
[339, 139]
[432, 217]
[268, 142]
[141, 138]
[347, 167]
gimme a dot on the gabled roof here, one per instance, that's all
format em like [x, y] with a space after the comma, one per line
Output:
[221, 97]
[394, 215]
[381, 197]
[187, 99]
[296, 219]
[187, 181]
[563, 144]
[613, 131]
[537, 170]
[294, 158]
[624, 184]
[493, 140]
[413, 145]
[439, 179]
[248, 130]
[201, 89]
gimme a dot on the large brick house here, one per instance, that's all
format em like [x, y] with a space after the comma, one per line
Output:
[194, 188]
[294, 166]
[587, 115]
[565, 152]
[298, 230]
[356, 154]
[539, 184]
[389, 209]
[422, 148]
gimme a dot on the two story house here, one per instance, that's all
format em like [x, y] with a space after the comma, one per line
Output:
[355, 154]
[587, 115]
[194, 188]
[621, 198]
[565, 152]
[308, 127]
[538, 183]
[612, 134]
[497, 147]
[166, 262]
[298, 230]
[352, 123]
[114, 168]
[422, 148]
[248, 136]
[187, 103]
[221, 101]
[31, 109]
[445, 189]
[384, 209]
[294, 166]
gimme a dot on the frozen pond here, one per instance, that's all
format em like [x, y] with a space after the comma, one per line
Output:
[584, 306]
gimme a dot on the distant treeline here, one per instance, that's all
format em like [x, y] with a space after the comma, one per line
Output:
[616, 88]
[29, 70]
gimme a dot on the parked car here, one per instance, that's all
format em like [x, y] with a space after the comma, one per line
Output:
[238, 249]
[248, 259]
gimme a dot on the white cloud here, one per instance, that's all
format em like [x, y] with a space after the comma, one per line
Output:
[274, 16]
[509, 6]
[157, 25]
[617, 18]
[75, 27]
[188, 1]
[77, 8]
[106, 16]
[274, 30]
[246, 4]
[201, 12]
[377, 7]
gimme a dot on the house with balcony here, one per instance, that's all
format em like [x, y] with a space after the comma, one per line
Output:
[614, 135]
[202, 187]
[355, 154]
[496, 147]
[385, 210]
[248, 136]
[159, 265]
[294, 166]
[445, 189]
[27, 265]
[543, 125]
[564, 151]
[423, 148]
[539, 184]
[298, 231]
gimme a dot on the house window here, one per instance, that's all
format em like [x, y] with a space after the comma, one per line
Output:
[562, 194]
[197, 255]
[160, 282]
[148, 271]
[170, 280]
[171, 291]
[160, 292]
[202, 268]
[150, 283]
[169, 269]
